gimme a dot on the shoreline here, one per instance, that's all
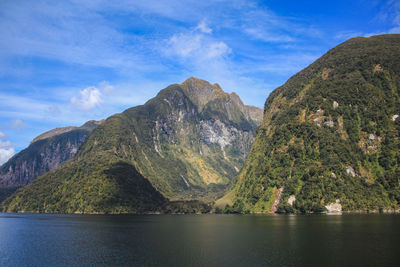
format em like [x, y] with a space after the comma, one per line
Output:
[385, 211]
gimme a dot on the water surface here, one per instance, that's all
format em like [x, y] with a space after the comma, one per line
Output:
[199, 240]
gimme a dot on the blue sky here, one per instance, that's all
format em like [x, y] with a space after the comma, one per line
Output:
[65, 62]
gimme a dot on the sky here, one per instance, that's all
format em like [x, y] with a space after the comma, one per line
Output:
[63, 63]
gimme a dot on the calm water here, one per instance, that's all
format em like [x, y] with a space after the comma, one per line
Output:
[199, 240]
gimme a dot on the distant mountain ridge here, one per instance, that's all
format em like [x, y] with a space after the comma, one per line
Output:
[46, 152]
[90, 125]
[189, 142]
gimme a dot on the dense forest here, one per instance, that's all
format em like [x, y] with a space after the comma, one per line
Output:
[330, 135]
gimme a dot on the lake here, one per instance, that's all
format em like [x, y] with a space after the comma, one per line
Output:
[199, 240]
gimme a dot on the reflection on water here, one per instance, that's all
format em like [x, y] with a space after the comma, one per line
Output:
[199, 240]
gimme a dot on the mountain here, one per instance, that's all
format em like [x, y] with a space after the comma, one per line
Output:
[46, 152]
[91, 185]
[330, 136]
[189, 142]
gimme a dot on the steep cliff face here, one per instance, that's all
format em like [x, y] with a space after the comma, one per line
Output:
[189, 141]
[46, 152]
[330, 135]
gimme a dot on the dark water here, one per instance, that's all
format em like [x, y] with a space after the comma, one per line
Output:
[199, 240]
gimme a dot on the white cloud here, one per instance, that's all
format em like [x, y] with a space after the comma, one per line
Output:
[90, 98]
[196, 45]
[6, 149]
[6, 154]
[18, 124]
[5, 144]
[203, 27]
[184, 44]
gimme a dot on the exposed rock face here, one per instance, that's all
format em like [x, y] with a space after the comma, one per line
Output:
[291, 200]
[334, 207]
[329, 123]
[46, 152]
[350, 171]
[201, 92]
[335, 105]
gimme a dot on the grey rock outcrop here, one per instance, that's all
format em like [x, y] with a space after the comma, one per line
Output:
[45, 153]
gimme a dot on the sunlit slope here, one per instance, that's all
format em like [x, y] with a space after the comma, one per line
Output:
[330, 135]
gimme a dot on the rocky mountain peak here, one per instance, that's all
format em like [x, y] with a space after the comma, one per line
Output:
[236, 99]
[200, 92]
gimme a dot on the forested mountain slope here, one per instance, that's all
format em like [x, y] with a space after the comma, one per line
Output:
[330, 135]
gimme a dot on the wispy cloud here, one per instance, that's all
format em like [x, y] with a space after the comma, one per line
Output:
[18, 124]
[394, 6]
[107, 88]
[69, 32]
[195, 45]
[263, 35]
[345, 35]
[389, 12]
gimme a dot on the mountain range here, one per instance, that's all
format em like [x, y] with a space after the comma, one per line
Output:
[188, 142]
[327, 141]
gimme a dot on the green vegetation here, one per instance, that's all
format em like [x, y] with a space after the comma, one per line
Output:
[186, 207]
[103, 184]
[5, 192]
[329, 134]
[169, 145]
